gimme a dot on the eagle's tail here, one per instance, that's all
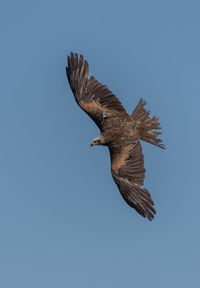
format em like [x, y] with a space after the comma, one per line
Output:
[146, 125]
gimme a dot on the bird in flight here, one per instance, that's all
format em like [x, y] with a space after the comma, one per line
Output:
[120, 131]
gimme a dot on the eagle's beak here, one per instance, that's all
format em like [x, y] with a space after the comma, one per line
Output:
[96, 141]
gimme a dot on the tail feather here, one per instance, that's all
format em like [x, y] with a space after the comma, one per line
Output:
[146, 125]
[140, 113]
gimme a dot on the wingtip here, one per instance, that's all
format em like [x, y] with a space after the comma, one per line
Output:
[74, 60]
[150, 214]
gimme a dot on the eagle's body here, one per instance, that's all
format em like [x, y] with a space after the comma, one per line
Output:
[120, 131]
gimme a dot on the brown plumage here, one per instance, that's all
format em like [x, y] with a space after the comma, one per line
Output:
[120, 131]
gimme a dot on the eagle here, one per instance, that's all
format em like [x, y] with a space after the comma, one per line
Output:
[120, 132]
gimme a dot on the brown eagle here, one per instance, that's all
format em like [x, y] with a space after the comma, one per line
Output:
[120, 131]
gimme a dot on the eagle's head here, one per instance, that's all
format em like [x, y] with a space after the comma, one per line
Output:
[98, 141]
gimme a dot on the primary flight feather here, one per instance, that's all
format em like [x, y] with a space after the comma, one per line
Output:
[120, 131]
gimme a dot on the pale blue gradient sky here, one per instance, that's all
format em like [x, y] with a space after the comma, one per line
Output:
[63, 222]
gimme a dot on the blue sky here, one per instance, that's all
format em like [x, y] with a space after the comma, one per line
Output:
[63, 221]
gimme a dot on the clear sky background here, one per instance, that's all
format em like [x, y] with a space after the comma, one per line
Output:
[63, 222]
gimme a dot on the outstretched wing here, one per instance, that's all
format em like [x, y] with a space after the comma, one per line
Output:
[93, 97]
[127, 166]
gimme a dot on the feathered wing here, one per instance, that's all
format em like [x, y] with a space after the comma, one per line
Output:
[127, 167]
[93, 97]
